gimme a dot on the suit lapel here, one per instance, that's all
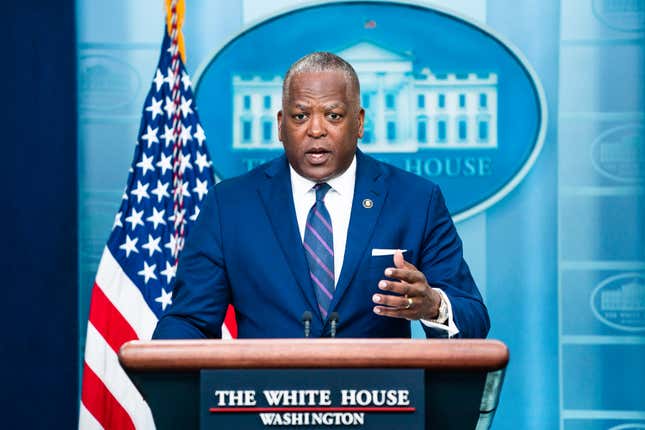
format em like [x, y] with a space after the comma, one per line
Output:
[370, 187]
[277, 199]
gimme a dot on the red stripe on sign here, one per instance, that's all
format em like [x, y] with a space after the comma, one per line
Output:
[108, 321]
[316, 409]
[230, 322]
[102, 404]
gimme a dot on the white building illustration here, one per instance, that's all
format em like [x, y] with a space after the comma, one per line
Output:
[629, 297]
[406, 110]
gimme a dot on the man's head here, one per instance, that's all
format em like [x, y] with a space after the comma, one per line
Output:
[321, 117]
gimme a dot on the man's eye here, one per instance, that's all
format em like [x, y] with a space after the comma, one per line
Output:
[335, 116]
[299, 116]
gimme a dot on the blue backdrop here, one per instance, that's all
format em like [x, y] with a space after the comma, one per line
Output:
[560, 259]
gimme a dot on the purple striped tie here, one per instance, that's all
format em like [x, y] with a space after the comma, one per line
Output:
[319, 247]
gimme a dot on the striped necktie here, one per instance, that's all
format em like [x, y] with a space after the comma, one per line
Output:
[319, 244]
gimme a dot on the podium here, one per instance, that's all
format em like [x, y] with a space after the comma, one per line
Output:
[462, 379]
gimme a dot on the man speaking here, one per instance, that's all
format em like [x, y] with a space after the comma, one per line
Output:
[324, 229]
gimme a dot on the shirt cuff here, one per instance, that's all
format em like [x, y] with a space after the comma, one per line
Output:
[450, 325]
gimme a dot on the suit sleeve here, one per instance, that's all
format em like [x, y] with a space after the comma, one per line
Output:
[443, 264]
[201, 294]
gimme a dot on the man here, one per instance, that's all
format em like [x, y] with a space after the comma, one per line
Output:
[324, 228]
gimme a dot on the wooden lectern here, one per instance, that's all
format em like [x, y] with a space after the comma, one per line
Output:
[463, 378]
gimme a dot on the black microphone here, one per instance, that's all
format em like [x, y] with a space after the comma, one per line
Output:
[306, 320]
[333, 321]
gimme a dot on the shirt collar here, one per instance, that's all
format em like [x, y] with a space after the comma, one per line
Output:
[342, 184]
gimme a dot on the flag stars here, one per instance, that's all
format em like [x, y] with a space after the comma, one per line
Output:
[151, 136]
[157, 217]
[167, 183]
[117, 220]
[165, 163]
[185, 135]
[141, 191]
[146, 164]
[161, 190]
[184, 159]
[152, 245]
[169, 272]
[170, 78]
[201, 189]
[168, 135]
[169, 107]
[178, 217]
[182, 188]
[185, 106]
[165, 299]
[148, 272]
[172, 245]
[135, 218]
[194, 216]
[199, 134]
[158, 80]
[185, 79]
[130, 245]
[155, 108]
[202, 162]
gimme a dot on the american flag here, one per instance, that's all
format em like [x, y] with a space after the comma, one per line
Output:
[168, 180]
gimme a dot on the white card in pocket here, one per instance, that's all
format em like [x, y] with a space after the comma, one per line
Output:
[377, 252]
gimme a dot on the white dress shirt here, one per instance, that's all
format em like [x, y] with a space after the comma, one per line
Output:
[338, 202]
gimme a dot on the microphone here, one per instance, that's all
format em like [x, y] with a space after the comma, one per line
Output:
[306, 320]
[333, 321]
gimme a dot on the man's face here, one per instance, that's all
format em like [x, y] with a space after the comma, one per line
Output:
[320, 124]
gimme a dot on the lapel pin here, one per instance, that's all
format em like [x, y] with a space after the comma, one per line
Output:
[368, 203]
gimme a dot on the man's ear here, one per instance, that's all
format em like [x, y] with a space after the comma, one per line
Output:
[361, 123]
[280, 117]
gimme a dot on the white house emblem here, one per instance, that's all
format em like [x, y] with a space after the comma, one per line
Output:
[443, 97]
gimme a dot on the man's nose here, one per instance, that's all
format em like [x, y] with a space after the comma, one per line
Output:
[316, 126]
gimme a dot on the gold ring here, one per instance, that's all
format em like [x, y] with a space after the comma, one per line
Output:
[409, 305]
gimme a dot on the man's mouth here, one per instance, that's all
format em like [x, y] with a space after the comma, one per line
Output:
[317, 156]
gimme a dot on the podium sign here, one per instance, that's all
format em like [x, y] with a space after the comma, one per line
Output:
[453, 384]
[372, 399]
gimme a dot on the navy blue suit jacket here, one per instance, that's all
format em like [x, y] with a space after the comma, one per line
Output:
[245, 249]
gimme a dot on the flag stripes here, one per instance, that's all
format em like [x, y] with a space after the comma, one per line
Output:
[98, 402]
